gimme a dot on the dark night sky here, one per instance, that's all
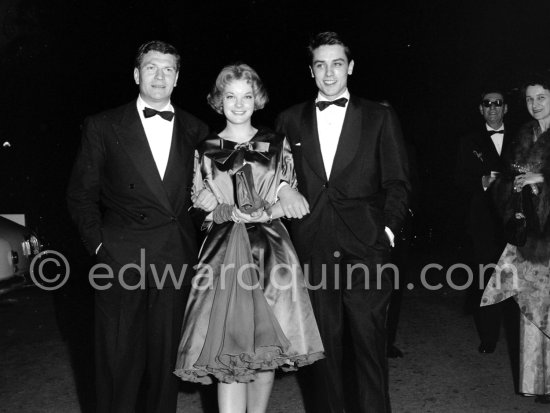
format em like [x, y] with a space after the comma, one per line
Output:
[61, 60]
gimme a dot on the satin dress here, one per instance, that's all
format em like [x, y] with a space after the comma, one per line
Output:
[249, 308]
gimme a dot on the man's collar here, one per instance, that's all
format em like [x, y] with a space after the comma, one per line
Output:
[343, 95]
[490, 129]
[141, 104]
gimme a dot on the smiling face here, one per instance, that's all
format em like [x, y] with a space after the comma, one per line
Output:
[330, 68]
[157, 76]
[537, 99]
[494, 115]
[238, 102]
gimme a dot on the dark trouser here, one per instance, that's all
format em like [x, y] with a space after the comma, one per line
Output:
[137, 335]
[400, 258]
[363, 311]
[393, 312]
[488, 319]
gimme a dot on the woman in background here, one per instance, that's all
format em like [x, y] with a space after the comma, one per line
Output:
[524, 271]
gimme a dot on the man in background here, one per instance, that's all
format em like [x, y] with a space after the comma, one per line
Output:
[479, 163]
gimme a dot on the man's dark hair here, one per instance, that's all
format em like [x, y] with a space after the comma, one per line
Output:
[492, 89]
[156, 46]
[327, 39]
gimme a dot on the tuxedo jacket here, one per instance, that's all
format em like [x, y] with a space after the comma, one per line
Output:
[477, 156]
[368, 188]
[118, 199]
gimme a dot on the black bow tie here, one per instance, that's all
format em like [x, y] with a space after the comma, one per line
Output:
[166, 114]
[323, 104]
[492, 132]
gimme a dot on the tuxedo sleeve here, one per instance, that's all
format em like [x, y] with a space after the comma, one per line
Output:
[394, 172]
[280, 124]
[288, 174]
[83, 192]
[200, 131]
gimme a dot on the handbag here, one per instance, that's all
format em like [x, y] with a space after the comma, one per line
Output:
[515, 229]
[248, 199]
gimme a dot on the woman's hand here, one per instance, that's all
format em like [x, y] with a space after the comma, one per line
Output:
[293, 203]
[260, 216]
[528, 178]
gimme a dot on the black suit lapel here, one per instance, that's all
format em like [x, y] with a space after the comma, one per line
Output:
[181, 156]
[489, 146]
[350, 136]
[506, 141]
[132, 138]
[311, 148]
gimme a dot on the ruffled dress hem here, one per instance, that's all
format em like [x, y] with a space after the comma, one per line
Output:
[245, 368]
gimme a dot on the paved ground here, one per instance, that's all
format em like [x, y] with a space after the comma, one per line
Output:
[45, 361]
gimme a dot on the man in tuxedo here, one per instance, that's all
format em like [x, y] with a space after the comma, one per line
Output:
[129, 196]
[351, 167]
[478, 165]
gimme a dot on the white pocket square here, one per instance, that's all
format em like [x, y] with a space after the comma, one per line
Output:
[298, 144]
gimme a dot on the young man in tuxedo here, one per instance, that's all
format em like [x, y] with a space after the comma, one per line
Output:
[129, 196]
[480, 160]
[351, 167]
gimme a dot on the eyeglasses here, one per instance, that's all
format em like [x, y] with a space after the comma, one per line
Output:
[488, 103]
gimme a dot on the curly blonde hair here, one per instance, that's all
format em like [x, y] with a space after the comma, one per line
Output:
[233, 72]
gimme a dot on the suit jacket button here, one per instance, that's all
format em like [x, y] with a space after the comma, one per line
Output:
[173, 219]
[143, 216]
[325, 185]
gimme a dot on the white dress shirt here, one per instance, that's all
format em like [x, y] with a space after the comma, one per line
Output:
[329, 127]
[159, 135]
[497, 138]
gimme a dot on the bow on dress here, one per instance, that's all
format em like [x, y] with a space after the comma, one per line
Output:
[235, 158]
[229, 155]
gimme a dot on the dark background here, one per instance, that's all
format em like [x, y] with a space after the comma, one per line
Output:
[61, 60]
